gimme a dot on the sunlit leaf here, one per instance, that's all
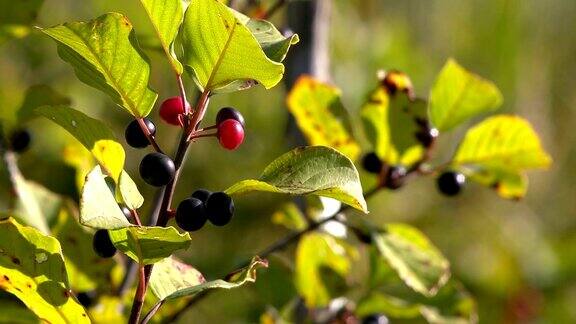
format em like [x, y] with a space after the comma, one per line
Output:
[98, 208]
[321, 117]
[12, 311]
[498, 150]
[104, 53]
[78, 157]
[32, 269]
[458, 95]
[171, 275]
[148, 245]
[314, 251]
[219, 49]
[166, 17]
[93, 134]
[87, 271]
[314, 170]
[108, 310]
[418, 263]
[128, 191]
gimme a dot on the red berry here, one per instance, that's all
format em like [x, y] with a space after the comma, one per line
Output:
[230, 134]
[171, 109]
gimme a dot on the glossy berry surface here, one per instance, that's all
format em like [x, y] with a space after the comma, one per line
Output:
[157, 169]
[375, 319]
[395, 177]
[102, 244]
[229, 113]
[372, 163]
[191, 214]
[86, 298]
[135, 136]
[427, 136]
[171, 110]
[220, 208]
[230, 134]
[20, 140]
[451, 183]
[202, 194]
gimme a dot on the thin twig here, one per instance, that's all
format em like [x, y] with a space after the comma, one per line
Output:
[148, 135]
[138, 298]
[182, 90]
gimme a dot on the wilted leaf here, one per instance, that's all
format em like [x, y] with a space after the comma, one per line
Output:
[458, 95]
[148, 245]
[105, 55]
[220, 50]
[171, 275]
[32, 269]
[321, 117]
[418, 263]
[314, 170]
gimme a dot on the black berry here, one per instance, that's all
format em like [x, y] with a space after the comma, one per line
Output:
[220, 208]
[372, 163]
[395, 177]
[202, 194]
[135, 136]
[375, 319]
[229, 113]
[20, 140]
[86, 298]
[191, 214]
[427, 136]
[157, 169]
[451, 183]
[102, 244]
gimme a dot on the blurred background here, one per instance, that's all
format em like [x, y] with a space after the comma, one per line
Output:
[517, 258]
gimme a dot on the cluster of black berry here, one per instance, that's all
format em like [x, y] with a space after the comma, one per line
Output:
[202, 206]
[19, 140]
[158, 169]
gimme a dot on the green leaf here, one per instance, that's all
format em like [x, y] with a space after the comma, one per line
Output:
[32, 269]
[148, 245]
[314, 251]
[274, 44]
[171, 275]
[418, 263]
[497, 151]
[321, 117]
[87, 271]
[16, 18]
[317, 170]
[452, 304]
[290, 217]
[37, 96]
[237, 279]
[14, 312]
[374, 115]
[98, 208]
[166, 17]
[129, 194]
[93, 134]
[78, 157]
[35, 206]
[105, 55]
[220, 50]
[458, 95]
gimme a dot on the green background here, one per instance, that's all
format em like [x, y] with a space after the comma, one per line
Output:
[518, 258]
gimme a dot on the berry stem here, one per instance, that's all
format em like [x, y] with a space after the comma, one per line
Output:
[136, 216]
[148, 135]
[183, 94]
[199, 111]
